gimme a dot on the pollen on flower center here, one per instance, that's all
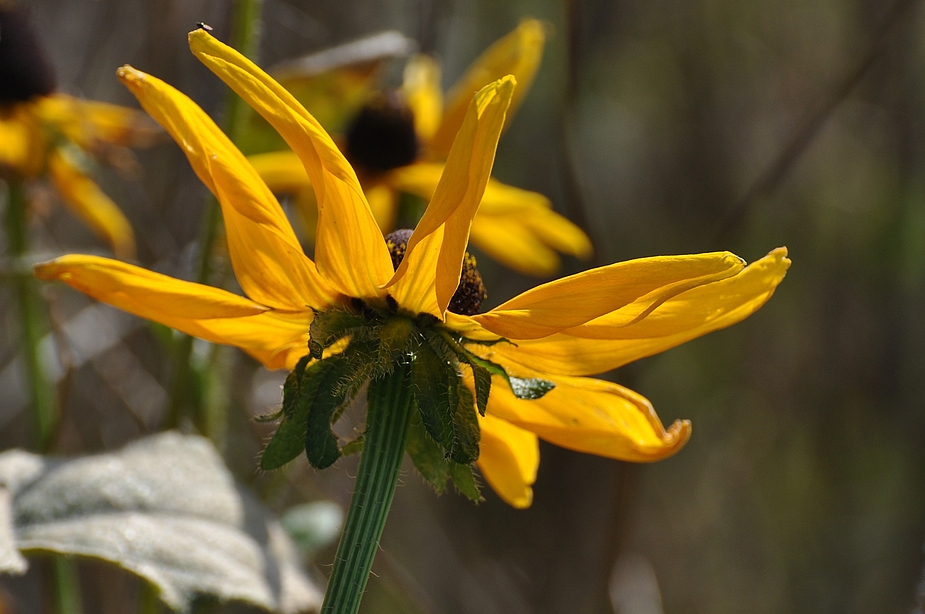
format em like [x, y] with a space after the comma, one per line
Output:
[382, 135]
[467, 300]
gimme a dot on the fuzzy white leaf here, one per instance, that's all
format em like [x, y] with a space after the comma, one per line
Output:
[165, 508]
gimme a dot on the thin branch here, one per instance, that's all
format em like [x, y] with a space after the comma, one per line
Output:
[814, 119]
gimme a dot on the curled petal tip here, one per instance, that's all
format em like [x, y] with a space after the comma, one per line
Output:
[50, 271]
[197, 33]
[678, 434]
[130, 75]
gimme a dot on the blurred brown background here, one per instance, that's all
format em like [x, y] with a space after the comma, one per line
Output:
[661, 127]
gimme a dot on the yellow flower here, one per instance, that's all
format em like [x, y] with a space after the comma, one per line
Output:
[553, 335]
[43, 132]
[516, 227]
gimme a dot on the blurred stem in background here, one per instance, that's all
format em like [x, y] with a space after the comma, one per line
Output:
[200, 391]
[44, 404]
[31, 320]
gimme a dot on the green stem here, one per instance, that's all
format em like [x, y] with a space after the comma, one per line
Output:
[386, 427]
[183, 397]
[31, 321]
[149, 601]
[67, 586]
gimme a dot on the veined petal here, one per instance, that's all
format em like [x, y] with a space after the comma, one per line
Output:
[91, 204]
[429, 273]
[619, 338]
[574, 300]
[276, 339]
[267, 258]
[592, 416]
[519, 54]
[349, 248]
[421, 87]
[282, 171]
[145, 293]
[508, 459]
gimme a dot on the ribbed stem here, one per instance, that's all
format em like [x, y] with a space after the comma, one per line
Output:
[383, 450]
[31, 321]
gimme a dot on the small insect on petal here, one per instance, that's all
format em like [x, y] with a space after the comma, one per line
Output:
[203, 26]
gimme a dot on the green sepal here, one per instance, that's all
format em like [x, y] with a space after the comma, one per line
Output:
[482, 378]
[320, 441]
[466, 432]
[444, 343]
[464, 481]
[394, 338]
[353, 446]
[289, 439]
[271, 417]
[327, 327]
[434, 389]
[526, 388]
[431, 462]
[426, 454]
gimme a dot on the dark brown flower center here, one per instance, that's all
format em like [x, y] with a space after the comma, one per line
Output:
[25, 72]
[382, 135]
[471, 290]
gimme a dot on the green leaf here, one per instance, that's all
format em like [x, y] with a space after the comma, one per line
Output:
[298, 392]
[530, 388]
[165, 508]
[320, 441]
[433, 382]
[464, 481]
[426, 454]
[465, 427]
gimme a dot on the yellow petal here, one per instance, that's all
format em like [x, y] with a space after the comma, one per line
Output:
[592, 416]
[276, 339]
[91, 204]
[422, 90]
[519, 54]
[508, 459]
[266, 256]
[429, 273]
[574, 300]
[282, 171]
[621, 338]
[349, 249]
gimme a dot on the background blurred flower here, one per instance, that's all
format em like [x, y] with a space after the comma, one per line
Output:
[48, 134]
[398, 142]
